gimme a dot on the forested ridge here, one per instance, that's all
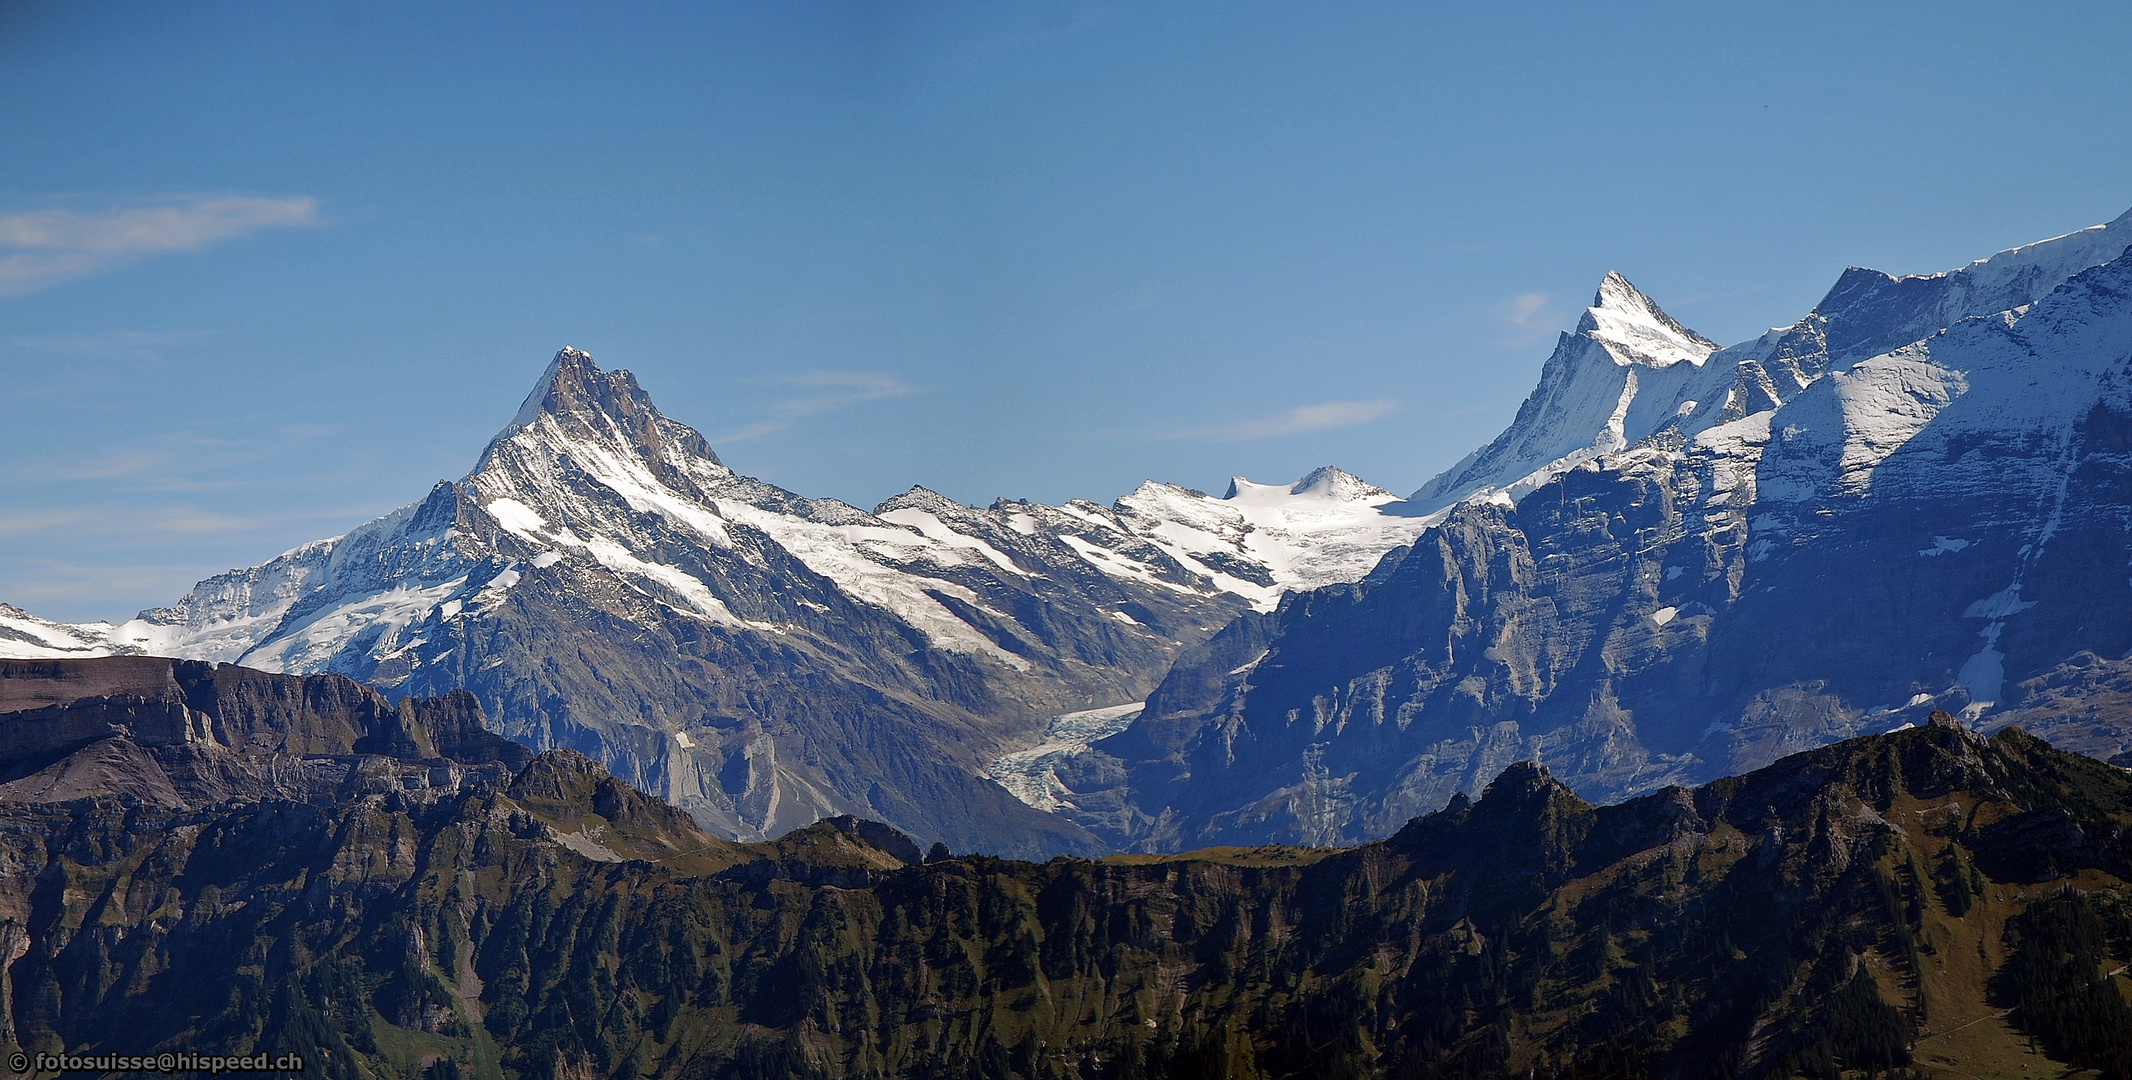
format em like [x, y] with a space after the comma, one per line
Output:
[1828, 914]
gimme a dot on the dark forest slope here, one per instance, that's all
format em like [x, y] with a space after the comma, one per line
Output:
[1836, 909]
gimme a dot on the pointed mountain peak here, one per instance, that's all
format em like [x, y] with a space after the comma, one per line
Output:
[572, 382]
[606, 407]
[919, 498]
[1526, 789]
[1336, 483]
[1636, 330]
[1616, 291]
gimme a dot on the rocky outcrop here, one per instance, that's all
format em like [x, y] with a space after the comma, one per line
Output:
[185, 733]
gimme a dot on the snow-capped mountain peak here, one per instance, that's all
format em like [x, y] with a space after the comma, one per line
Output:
[603, 581]
[536, 400]
[1260, 540]
[1913, 499]
[1868, 312]
[1635, 330]
[604, 417]
[1628, 370]
[1331, 482]
[590, 474]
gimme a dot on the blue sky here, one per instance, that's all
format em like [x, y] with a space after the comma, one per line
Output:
[267, 271]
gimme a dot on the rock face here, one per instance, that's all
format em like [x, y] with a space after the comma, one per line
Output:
[1681, 563]
[189, 734]
[1840, 910]
[602, 582]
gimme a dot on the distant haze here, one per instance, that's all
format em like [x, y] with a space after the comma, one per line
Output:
[266, 274]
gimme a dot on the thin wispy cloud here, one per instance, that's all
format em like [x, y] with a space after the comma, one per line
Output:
[120, 465]
[113, 344]
[831, 390]
[1531, 314]
[1524, 306]
[38, 521]
[45, 247]
[1303, 418]
[183, 520]
[72, 591]
[194, 522]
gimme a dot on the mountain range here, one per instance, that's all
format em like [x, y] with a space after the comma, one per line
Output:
[603, 582]
[1679, 562]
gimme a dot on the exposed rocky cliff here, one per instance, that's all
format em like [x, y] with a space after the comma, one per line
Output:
[189, 734]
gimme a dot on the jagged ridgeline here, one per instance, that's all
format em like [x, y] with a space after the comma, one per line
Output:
[1679, 562]
[603, 582]
[1907, 900]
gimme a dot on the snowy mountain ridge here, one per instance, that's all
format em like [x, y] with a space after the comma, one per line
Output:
[1254, 542]
[591, 520]
[1629, 371]
[24, 636]
[1914, 498]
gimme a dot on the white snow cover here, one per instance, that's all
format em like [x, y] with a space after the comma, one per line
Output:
[577, 486]
[933, 528]
[1326, 528]
[1627, 369]
[2019, 276]
[24, 636]
[1634, 330]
